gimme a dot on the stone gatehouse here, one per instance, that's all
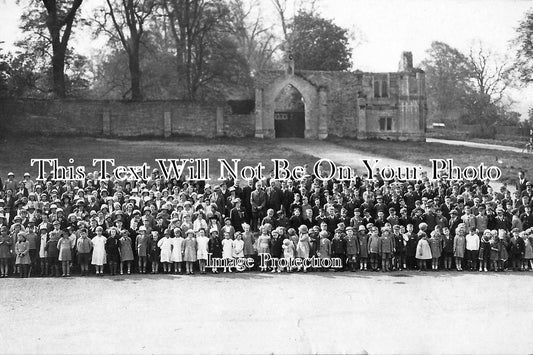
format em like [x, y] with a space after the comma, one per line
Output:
[318, 104]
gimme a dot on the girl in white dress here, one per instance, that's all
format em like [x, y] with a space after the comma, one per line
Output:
[202, 249]
[165, 244]
[227, 248]
[238, 248]
[178, 248]
[99, 254]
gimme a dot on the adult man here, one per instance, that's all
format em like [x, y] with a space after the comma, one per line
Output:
[258, 200]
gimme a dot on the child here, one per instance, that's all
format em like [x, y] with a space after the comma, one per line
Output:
[472, 249]
[22, 248]
[43, 237]
[363, 247]
[238, 246]
[423, 251]
[435, 244]
[5, 251]
[99, 254]
[83, 247]
[165, 245]
[52, 253]
[249, 240]
[495, 246]
[516, 249]
[189, 255]
[484, 251]
[276, 247]
[141, 242]
[215, 247]
[373, 248]
[459, 243]
[202, 243]
[178, 248]
[385, 248]
[338, 248]
[527, 262]
[263, 244]
[126, 251]
[324, 251]
[352, 248]
[303, 247]
[154, 252]
[112, 248]
[227, 248]
[288, 252]
[65, 255]
[447, 250]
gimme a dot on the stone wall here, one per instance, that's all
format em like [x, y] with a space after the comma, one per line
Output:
[121, 118]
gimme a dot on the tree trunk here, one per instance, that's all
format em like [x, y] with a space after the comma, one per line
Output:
[135, 74]
[58, 73]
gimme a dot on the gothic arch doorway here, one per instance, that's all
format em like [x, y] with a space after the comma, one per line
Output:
[289, 113]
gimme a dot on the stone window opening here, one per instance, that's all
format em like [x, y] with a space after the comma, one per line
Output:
[385, 123]
[381, 88]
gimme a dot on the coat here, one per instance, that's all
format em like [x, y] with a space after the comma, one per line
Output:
[423, 251]
[324, 251]
[165, 244]
[459, 244]
[352, 245]
[22, 250]
[126, 251]
[435, 244]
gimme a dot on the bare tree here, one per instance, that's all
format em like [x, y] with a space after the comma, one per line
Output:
[124, 22]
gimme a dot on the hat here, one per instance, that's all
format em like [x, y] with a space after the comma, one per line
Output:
[10, 174]
[189, 231]
[56, 222]
[213, 230]
[142, 228]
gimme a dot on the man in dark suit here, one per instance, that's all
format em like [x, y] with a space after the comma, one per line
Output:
[521, 183]
[258, 201]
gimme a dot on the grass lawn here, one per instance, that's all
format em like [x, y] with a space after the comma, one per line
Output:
[420, 153]
[16, 152]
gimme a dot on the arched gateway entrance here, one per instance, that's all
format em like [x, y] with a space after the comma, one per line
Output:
[290, 106]
[289, 113]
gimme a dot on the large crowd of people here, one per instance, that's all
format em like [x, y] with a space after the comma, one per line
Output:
[105, 226]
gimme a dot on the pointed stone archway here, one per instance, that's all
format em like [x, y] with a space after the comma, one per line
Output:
[315, 101]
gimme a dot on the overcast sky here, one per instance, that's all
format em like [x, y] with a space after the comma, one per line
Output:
[387, 27]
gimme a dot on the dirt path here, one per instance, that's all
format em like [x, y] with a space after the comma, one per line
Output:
[341, 155]
[351, 157]
[475, 145]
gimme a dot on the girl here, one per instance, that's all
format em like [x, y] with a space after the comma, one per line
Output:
[190, 251]
[5, 251]
[154, 252]
[484, 251]
[423, 251]
[165, 245]
[202, 243]
[178, 248]
[99, 254]
[215, 246]
[248, 238]
[43, 233]
[112, 248]
[228, 228]
[447, 250]
[65, 255]
[238, 246]
[141, 242]
[52, 253]
[288, 252]
[303, 246]
[263, 244]
[495, 247]
[459, 243]
[324, 250]
[83, 247]
[22, 249]
[126, 251]
[227, 248]
[435, 245]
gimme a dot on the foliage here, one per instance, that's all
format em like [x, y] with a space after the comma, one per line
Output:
[319, 44]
